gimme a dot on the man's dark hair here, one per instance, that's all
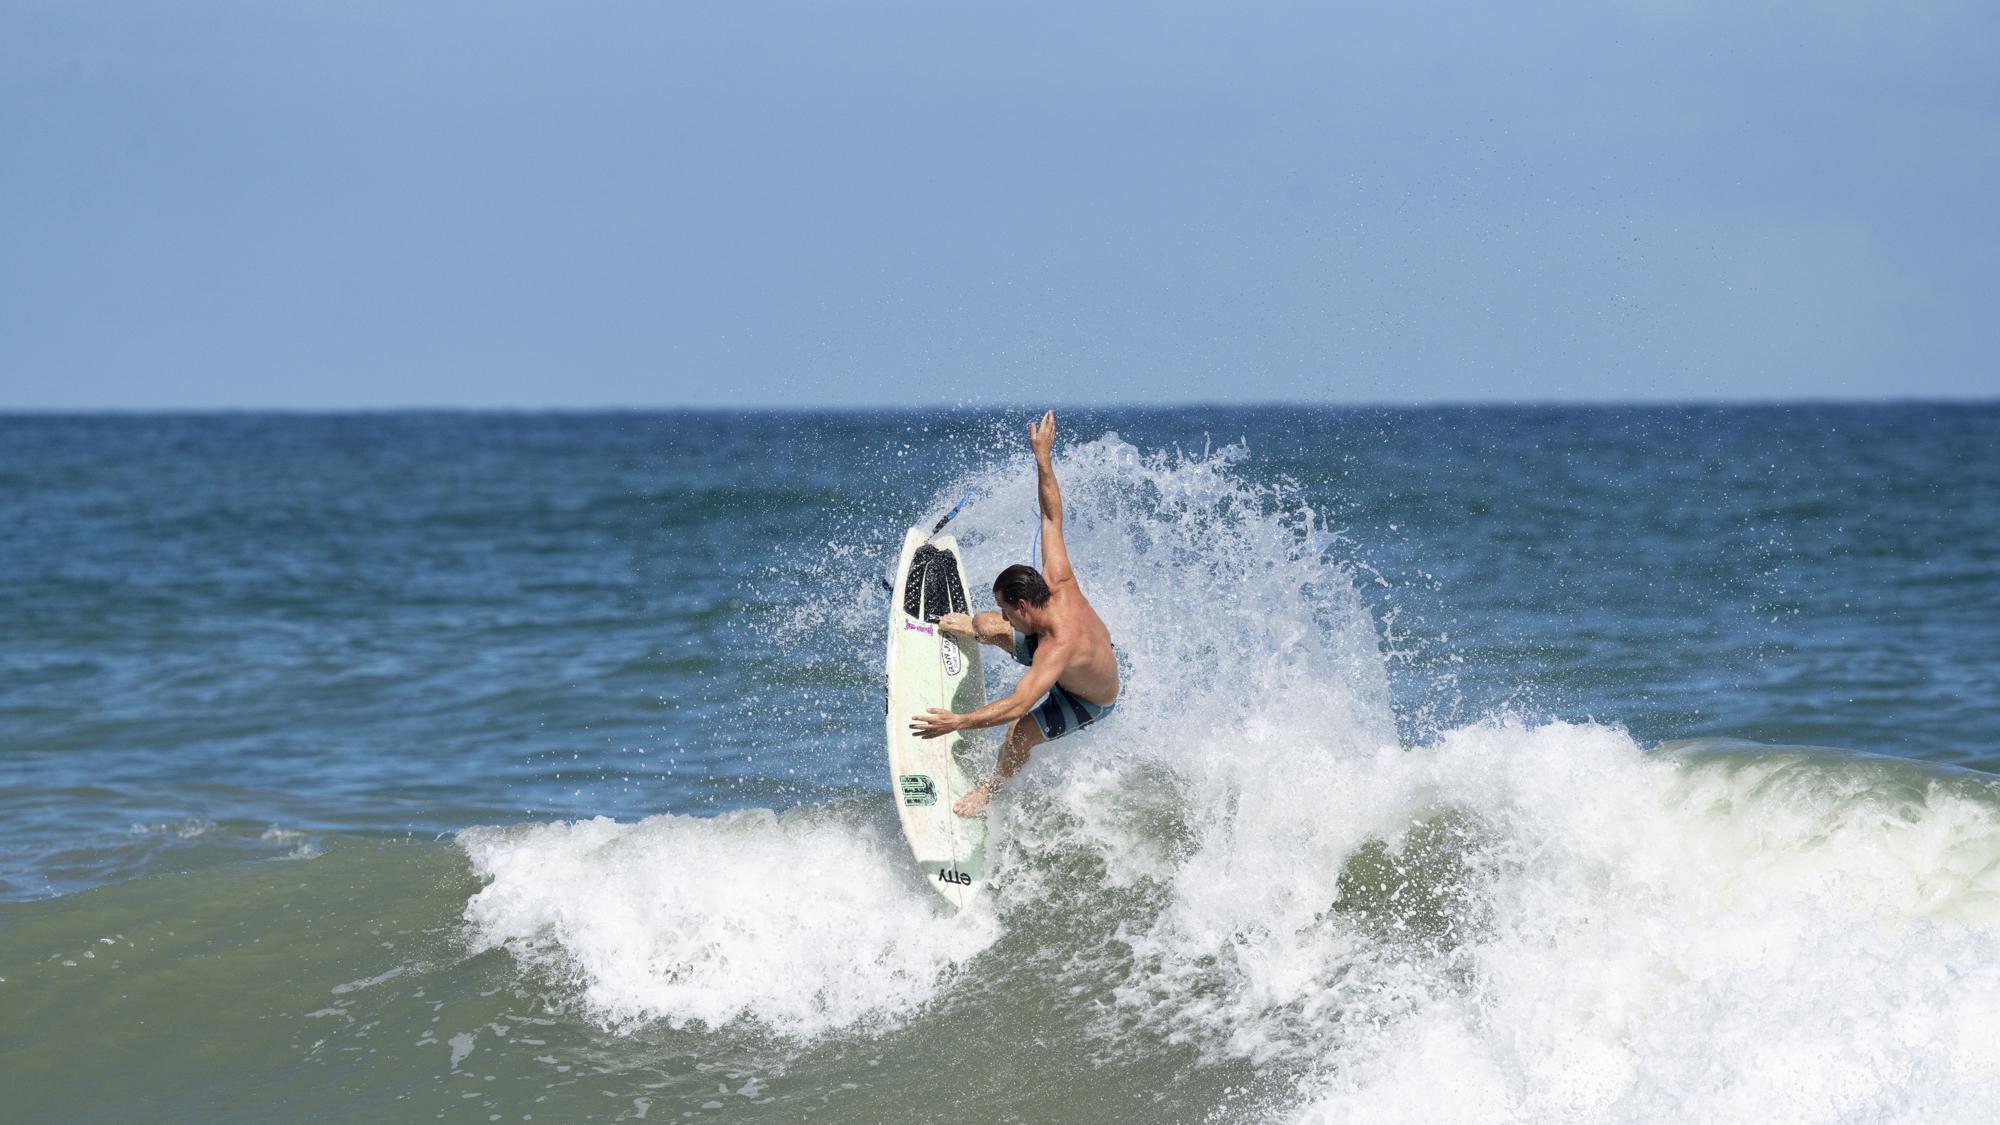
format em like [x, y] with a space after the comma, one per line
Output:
[1021, 584]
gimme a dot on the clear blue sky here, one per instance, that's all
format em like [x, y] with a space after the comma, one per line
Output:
[259, 203]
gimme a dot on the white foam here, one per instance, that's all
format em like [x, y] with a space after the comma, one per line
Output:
[189, 829]
[1639, 940]
[800, 922]
[1604, 934]
[1510, 923]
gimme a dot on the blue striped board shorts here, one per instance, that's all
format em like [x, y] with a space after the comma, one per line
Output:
[1060, 712]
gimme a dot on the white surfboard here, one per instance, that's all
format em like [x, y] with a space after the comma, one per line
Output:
[930, 668]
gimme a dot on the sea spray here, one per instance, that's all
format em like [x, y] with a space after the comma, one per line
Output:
[1235, 622]
[1511, 920]
[1549, 905]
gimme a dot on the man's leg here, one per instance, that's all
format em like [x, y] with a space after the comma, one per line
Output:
[1021, 737]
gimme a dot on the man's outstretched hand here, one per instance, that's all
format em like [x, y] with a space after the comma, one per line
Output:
[1042, 436]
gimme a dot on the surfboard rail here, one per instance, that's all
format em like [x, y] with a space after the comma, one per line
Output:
[928, 667]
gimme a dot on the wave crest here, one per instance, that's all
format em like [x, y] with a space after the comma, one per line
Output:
[801, 922]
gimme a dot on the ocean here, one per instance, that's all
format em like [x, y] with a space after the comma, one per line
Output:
[1474, 764]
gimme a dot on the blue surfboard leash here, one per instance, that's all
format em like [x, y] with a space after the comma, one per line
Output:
[935, 528]
[1034, 545]
[948, 516]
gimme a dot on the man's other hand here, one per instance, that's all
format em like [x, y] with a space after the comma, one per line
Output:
[934, 723]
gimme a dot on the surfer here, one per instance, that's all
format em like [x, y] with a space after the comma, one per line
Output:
[1045, 622]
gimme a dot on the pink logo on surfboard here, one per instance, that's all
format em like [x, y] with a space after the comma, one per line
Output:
[926, 630]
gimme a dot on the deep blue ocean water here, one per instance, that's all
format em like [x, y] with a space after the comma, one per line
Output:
[296, 695]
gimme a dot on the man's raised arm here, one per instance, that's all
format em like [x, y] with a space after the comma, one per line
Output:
[1055, 555]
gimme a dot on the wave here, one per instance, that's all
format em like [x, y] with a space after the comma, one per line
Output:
[1505, 921]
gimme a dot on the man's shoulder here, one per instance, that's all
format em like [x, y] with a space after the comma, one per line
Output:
[1075, 606]
[1067, 591]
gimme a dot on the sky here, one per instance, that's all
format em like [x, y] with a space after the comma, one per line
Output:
[398, 203]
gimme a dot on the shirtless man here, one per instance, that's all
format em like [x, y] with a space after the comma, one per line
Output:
[1072, 677]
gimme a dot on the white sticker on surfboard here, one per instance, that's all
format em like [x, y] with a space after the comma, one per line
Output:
[930, 668]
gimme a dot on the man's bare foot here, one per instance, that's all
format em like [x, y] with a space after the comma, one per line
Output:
[973, 803]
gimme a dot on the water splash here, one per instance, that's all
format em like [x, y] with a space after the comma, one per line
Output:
[804, 921]
[1506, 921]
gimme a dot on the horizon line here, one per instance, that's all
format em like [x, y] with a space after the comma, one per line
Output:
[1001, 408]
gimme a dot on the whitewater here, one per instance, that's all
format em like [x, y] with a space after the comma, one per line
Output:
[1270, 891]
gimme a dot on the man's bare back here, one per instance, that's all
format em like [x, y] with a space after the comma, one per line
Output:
[1047, 623]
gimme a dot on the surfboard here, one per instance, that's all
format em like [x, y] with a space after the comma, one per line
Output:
[931, 668]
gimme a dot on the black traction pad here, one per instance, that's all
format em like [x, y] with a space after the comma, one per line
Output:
[932, 588]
